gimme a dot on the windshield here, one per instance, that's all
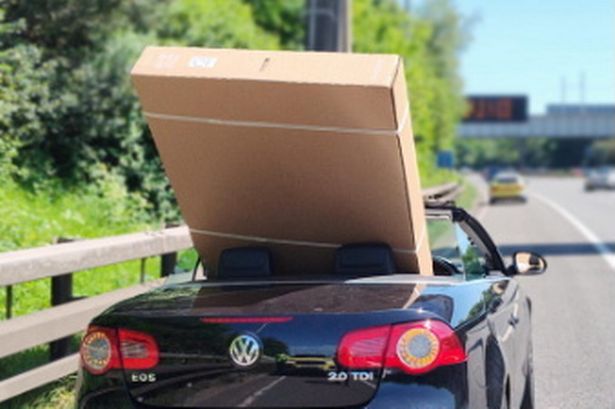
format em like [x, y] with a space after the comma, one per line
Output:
[507, 179]
[451, 245]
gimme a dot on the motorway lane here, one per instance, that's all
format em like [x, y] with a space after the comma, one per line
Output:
[573, 303]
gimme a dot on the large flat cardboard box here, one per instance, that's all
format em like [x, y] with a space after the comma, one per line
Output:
[297, 151]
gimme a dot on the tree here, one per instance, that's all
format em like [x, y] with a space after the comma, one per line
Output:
[448, 37]
[529, 152]
[283, 19]
[214, 23]
[601, 153]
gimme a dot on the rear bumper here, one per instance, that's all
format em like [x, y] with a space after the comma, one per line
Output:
[507, 196]
[400, 397]
[445, 388]
[599, 185]
[100, 392]
[117, 399]
[415, 396]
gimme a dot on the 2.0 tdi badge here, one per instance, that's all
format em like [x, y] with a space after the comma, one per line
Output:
[245, 350]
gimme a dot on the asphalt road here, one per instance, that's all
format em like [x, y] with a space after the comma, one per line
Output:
[574, 302]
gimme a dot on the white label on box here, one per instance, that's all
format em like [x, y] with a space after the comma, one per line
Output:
[166, 61]
[202, 61]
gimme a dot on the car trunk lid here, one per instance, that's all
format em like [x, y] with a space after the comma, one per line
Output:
[259, 345]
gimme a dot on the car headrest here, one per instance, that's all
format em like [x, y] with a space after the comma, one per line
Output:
[245, 262]
[365, 258]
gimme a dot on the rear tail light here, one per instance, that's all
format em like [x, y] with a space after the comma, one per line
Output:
[99, 350]
[415, 348]
[363, 348]
[103, 349]
[420, 347]
[137, 350]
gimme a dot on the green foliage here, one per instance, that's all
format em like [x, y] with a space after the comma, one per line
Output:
[601, 153]
[214, 23]
[284, 19]
[63, 25]
[529, 152]
[67, 102]
[449, 35]
[486, 152]
[33, 219]
[468, 198]
[24, 98]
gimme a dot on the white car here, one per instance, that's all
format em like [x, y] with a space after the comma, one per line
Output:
[601, 178]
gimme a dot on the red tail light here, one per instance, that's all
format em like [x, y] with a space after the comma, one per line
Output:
[363, 348]
[99, 350]
[415, 348]
[103, 349]
[420, 347]
[138, 350]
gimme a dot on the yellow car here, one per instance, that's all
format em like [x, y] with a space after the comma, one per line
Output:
[507, 186]
[306, 362]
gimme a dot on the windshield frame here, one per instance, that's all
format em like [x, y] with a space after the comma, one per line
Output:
[475, 231]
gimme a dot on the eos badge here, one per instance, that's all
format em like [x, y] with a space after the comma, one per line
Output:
[142, 377]
[245, 350]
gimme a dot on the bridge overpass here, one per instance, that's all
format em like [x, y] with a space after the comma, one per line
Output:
[561, 121]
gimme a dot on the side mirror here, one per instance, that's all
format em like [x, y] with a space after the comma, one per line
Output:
[527, 263]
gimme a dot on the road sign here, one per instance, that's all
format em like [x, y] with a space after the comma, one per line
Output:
[496, 108]
[445, 159]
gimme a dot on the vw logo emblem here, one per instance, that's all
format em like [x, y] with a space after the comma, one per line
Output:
[245, 350]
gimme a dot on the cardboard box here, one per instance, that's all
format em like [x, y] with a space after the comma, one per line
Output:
[301, 152]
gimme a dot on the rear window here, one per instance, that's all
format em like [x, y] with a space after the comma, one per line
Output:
[507, 180]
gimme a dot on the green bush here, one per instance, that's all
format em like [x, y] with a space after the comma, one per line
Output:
[102, 208]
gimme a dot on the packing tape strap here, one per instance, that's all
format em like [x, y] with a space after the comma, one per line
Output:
[278, 125]
[297, 242]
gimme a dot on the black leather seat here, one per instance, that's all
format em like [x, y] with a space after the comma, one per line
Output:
[443, 267]
[245, 262]
[365, 258]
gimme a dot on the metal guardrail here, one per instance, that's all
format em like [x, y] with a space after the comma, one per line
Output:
[59, 261]
[442, 193]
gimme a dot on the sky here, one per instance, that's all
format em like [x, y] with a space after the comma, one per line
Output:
[532, 46]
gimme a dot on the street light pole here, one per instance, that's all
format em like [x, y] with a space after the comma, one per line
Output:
[329, 25]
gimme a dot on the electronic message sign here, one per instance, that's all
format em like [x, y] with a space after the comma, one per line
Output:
[496, 108]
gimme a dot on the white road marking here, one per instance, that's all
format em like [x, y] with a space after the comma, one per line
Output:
[601, 248]
[250, 399]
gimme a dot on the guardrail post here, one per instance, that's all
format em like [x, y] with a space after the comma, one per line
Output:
[9, 302]
[142, 270]
[168, 262]
[61, 293]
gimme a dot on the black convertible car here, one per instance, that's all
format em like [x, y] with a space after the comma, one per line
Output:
[362, 335]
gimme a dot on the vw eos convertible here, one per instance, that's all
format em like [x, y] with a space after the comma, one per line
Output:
[361, 335]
